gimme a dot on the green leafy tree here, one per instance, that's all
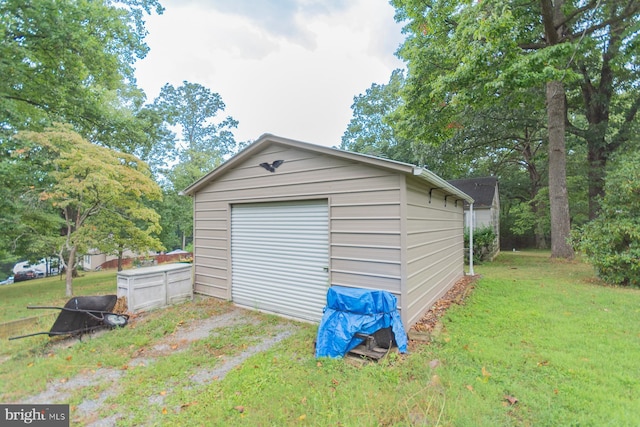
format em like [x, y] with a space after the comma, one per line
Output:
[463, 54]
[24, 217]
[193, 109]
[92, 187]
[202, 142]
[611, 242]
[124, 231]
[605, 104]
[65, 60]
[498, 140]
[371, 130]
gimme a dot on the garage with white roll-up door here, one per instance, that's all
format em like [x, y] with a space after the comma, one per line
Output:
[280, 257]
[281, 221]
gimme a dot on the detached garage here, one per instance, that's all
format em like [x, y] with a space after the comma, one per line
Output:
[283, 220]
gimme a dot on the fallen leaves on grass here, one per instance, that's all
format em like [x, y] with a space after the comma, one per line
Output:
[455, 295]
[485, 375]
[510, 399]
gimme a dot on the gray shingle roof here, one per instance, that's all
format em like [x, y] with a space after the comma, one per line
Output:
[481, 190]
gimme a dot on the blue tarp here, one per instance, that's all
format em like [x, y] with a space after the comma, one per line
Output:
[355, 310]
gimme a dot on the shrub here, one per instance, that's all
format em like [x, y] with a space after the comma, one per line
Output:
[611, 242]
[484, 244]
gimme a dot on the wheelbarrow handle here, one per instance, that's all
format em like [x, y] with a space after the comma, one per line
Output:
[29, 335]
[96, 314]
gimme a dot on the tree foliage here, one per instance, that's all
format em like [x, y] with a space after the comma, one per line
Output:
[202, 142]
[193, 109]
[370, 130]
[66, 60]
[96, 190]
[465, 57]
[73, 62]
[611, 242]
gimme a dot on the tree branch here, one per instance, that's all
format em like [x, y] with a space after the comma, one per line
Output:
[623, 133]
[630, 10]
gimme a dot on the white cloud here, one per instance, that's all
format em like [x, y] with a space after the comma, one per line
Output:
[293, 73]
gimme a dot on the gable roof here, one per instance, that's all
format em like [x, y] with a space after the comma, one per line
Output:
[481, 189]
[268, 139]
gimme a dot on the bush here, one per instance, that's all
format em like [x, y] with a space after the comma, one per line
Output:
[484, 244]
[611, 242]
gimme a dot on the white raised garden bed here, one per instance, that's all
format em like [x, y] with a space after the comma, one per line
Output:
[154, 287]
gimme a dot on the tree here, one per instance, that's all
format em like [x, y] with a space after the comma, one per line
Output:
[64, 60]
[611, 242]
[371, 130]
[193, 108]
[116, 234]
[462, 54]
[202, 144]
[608, 97]
[92, 187]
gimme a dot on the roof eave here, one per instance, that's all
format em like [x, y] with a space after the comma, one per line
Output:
[441, 183]
[393, 165]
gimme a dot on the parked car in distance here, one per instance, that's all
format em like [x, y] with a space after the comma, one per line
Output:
[23, 275]
[8, 281]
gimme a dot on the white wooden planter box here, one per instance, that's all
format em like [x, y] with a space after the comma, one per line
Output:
[154, 287]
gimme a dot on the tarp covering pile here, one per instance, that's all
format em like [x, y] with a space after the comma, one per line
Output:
[354, 310]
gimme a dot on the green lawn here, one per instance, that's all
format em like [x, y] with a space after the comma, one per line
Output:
[542, 332]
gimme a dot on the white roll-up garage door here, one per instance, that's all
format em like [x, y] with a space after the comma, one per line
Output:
[280, 256]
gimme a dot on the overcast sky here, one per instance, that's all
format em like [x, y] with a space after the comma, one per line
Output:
[286, 67]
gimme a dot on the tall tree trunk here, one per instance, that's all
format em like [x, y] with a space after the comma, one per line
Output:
[537, 207]
[597, 158]
[558, 196]
[120, 255]
[71, 262]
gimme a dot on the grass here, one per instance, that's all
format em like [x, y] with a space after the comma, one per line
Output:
[542, 332]
[50, 291]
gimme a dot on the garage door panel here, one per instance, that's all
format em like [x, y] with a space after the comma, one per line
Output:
[279, 257]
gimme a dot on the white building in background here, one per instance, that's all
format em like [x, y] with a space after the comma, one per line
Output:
[42, 267]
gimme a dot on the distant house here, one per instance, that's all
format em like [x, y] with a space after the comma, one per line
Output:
[486, 205]
[94, 259]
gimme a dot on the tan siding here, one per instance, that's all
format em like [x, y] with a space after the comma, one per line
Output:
[365, 248]
[366, 197]
[210, 247]
[377, 267]
[304, 184]
[366, 240]
[366, 225]
[364, 216]
[434, 248]
[370, 253]
[370, 209]
[361, 280]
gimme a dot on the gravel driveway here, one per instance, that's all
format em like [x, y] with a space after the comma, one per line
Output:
[175, 342]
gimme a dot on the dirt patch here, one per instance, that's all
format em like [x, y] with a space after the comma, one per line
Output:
[421, 332]
[175, 342]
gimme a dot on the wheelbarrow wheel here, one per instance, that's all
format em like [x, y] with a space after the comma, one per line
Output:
[115, 320]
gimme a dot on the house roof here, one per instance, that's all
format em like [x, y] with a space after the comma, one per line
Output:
[268, 139]
[481, 189]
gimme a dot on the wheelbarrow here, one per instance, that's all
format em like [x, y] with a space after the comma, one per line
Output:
[83, 314]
